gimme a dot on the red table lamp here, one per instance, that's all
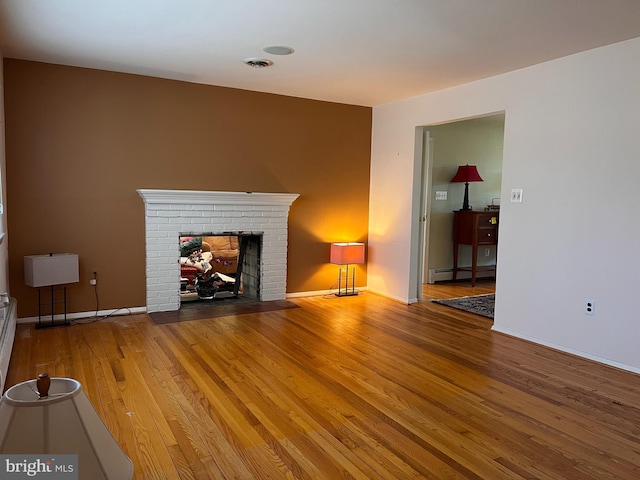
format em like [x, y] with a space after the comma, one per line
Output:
[466, 173]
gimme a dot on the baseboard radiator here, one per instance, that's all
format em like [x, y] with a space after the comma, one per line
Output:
[444, 274]
[8, 319]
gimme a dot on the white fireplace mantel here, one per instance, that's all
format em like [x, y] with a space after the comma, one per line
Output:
[201, 197]
[171, 213]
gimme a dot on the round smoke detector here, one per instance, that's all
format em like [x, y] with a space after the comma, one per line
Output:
[258, 62]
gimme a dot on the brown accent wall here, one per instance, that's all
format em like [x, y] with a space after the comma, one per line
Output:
[79, 142]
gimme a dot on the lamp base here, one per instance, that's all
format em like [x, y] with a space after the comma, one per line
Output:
[51, 303]
[348, 291]
[465, 202]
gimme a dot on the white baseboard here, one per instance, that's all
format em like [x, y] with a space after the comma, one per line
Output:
[571, 351]
[394, 298]
[132, 310]
[445, 274]
[78, 315]
[369, 290]
[318, 293]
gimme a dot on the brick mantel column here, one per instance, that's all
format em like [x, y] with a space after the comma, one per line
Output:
[170, 213]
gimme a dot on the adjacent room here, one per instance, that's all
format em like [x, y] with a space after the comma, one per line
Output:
[277, 239]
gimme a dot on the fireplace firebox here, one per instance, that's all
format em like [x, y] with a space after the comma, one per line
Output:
[220, 265]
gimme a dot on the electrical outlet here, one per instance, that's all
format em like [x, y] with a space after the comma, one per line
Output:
[93, 282]
[487, 252]
[590, 307]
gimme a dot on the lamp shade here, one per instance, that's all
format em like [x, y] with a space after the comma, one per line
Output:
[62, 423]
[51, 269]
[347, 253]
[467, 173]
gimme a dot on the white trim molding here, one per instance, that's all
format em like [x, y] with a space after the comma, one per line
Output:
[201, 197]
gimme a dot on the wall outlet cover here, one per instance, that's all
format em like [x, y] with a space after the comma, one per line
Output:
[590, 307]
[516, 195]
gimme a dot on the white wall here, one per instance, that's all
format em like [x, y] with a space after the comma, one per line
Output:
[571, 144]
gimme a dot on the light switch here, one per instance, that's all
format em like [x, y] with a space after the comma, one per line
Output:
[441, 195]
[516, 195]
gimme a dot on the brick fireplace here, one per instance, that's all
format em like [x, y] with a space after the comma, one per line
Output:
[171, 213]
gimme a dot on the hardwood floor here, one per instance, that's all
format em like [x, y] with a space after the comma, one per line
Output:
[352, 387]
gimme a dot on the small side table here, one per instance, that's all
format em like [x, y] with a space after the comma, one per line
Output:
[473, 228]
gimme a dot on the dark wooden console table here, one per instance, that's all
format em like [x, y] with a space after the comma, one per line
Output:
[473, 228]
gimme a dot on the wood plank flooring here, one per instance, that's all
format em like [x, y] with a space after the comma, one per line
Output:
[353, 387]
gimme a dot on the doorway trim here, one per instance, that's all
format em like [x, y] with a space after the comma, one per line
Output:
[420, 212]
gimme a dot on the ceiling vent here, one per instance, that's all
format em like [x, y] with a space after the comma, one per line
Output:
[258, 62]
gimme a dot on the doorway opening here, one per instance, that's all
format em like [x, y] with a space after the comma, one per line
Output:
[440, 150]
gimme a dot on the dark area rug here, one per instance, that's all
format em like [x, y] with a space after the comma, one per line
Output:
[478, 304]
[218, 308]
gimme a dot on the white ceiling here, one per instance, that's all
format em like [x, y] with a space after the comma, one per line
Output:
[363, 52]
